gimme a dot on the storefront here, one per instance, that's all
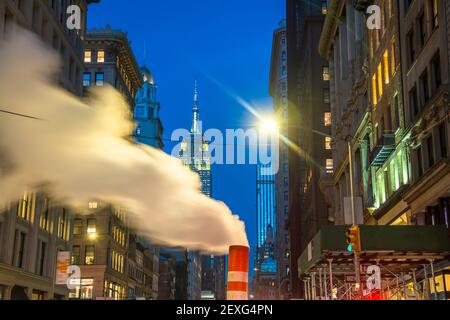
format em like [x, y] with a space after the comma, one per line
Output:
[412, 263]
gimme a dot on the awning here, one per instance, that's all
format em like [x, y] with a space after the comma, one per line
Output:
[400, 248]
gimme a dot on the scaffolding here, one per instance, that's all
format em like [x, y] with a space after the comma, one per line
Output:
[413, 262]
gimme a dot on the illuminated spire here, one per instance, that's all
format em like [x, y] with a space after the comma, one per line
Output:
[195, 111]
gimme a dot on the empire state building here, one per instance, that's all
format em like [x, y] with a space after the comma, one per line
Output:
[194, 151]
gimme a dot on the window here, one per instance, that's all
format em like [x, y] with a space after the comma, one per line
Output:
[436, 65]
[286, 196]
[328, 143]
[430, 151]
[329, 166]
[286, 210]
[380, 80]
[407, 4]
[410, 47]
[386, 67]
[37, 295]
[62, 224]
[88, 56]
[86, 79]
[419, 162]
[388, 119]
[393, 60]
[25, 206]
[75, 258]
[20, 245]
[42, 258]
[78, 227]
[327, 119]
[424, 92]
[91, 227]
[396, 112]
[101, 56]
[422, 29]
[286, 181]
[326, 73]
[326, 95]
[434, 13]
[324, 7]
[117, 261]
[139, 113]
[44, 216]
[374, 90]
[99, 79]
[443, 140]
[84, 290]
[90, 255]
[414, 105]
[93, 205]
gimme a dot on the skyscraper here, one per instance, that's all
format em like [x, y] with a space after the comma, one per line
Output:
[278, 91]
[309, 125]
[265, 263]
[194, 151]
[194, 154]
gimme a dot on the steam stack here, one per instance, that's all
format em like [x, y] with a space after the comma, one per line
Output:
[238, 273]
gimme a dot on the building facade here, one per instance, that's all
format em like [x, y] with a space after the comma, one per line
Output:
[310, 160]
[108, 59]
[115, 263]
[167, 277]
[265, 262]
[213, 277]
[389, 104]
[34, 229]
[279, 93]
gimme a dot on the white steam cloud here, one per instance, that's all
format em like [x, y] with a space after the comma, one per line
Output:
[79, 151]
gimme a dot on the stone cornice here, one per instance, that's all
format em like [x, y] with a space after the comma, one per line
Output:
[330, 26]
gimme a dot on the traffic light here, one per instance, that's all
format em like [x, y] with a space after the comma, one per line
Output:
[353, 239]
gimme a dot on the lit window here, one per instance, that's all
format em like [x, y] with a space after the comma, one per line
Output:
[328, 143]
[386, 67]
[91, 227]
[93, 205]
[88, 56]
[326, 73]
[380, 80]
[86, 79]
[374, 90]
[99, 79]
[434, 13]
[76, 254]
[25, 206]
[324, 7]
[101, 56]
[327, 119]
[90, 255]
[393, 62]
[329, 166]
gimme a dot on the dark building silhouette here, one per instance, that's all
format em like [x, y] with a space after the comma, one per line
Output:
[309, 105]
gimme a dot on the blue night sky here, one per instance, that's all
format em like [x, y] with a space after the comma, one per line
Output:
[228, 40]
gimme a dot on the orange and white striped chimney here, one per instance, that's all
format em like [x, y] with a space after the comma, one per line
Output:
[238, 273]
